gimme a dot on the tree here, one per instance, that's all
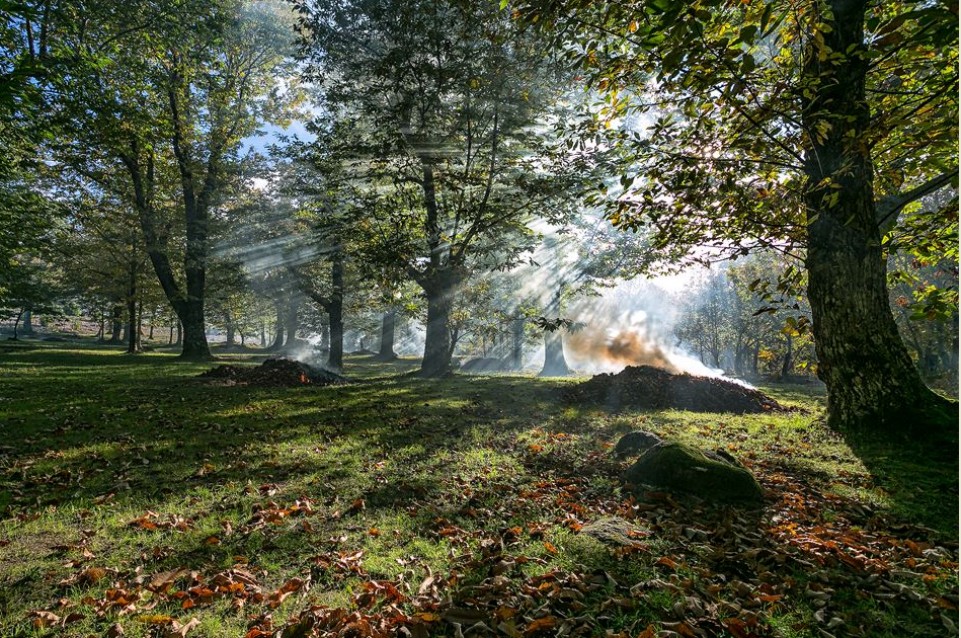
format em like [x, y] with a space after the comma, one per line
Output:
[808, 124]
[434, 104]
[156, 114]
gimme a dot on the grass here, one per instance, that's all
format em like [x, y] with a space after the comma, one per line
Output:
[464, 494]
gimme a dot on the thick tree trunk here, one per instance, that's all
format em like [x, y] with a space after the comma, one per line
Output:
[440, 289]
[555, 364]
[293, 322]
[335, 312]
[194, 333]
[870, 378]
[231, 330]
[180, 333]
[278, 329]
[388, 328]
[517, 344]
[116, 324]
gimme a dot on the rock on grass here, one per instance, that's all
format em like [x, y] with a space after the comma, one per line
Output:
[680, 468]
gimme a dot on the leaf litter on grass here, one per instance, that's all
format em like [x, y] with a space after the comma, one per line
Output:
[513, 560]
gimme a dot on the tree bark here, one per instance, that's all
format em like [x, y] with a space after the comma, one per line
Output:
[293, 321]
[870, 378]
[335, 312]
[278, 328]
[133, 330]
[555, 364]
[231, 330]
[439, 288]
[388, 329]
[517, 343]
[116, 323]
[27, 328]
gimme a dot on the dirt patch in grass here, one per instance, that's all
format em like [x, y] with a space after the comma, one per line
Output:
[656, 389]
[274, 373]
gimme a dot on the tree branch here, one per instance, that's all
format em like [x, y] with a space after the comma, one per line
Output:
[889, 207]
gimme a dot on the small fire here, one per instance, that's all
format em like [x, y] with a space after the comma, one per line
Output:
[624, 348]
[304, 379]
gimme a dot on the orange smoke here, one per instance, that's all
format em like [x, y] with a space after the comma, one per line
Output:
[626, 348]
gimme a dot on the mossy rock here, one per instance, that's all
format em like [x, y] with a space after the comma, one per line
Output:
[634, 443]
[679, 468]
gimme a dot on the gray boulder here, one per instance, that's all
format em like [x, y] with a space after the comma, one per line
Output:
[634, 443]
[612, 530]
[679, 468]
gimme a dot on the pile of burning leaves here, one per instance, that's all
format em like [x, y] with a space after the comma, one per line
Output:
[657, 389]
[274, 373]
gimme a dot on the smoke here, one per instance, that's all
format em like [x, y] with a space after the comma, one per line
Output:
[624, 348]
[629, 324]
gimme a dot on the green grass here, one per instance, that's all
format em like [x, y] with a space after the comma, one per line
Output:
[114, 469]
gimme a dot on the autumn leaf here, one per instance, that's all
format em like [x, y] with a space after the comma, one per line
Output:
[541, 624]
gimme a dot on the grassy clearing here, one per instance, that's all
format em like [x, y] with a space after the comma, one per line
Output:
[133, 493]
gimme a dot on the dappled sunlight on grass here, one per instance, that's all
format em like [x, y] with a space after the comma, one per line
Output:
[146, 468]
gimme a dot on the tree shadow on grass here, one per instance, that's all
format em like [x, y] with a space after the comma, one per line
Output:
[920, 479]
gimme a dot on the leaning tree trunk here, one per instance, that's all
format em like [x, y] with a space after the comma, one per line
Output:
[870, 378]
[388, 329]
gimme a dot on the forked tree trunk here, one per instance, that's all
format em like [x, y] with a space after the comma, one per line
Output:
[870, 378]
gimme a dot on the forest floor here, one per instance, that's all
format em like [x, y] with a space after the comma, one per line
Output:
[137, 499]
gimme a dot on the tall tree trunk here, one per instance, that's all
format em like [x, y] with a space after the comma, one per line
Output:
[293, 321]
[180, 333]
[388, 328]
[555, 364]
[102, 334]
[116, 323]
[231, 329]
[278, 328]
[195, 344]
[263, 334]
[27, 328]
[870, 378]
[517, 343]
[439, 288]
[335, 312]
[787, 367]
[133, 330]
[16, 325]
